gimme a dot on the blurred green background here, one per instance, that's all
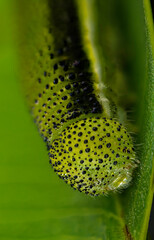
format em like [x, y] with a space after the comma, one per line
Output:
[33, 201]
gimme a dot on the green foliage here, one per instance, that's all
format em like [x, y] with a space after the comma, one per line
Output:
[34, 203]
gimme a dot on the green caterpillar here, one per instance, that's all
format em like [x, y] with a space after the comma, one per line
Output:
[88, 148]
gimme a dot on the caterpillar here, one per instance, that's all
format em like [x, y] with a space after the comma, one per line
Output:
[88, 147]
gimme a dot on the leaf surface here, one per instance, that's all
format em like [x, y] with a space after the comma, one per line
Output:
[34, 203]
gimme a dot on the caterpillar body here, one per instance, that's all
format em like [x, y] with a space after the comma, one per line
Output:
[88, 149]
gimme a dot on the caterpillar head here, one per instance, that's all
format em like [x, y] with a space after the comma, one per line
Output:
[94, 155]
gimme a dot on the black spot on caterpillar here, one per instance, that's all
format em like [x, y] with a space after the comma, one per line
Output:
[88, 149]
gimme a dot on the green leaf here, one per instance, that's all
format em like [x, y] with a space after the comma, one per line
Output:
[137, 209]
[34, 203]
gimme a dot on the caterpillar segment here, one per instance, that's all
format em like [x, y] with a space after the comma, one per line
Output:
[88, 149]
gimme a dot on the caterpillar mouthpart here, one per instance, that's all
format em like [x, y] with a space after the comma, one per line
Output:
[94, 155]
